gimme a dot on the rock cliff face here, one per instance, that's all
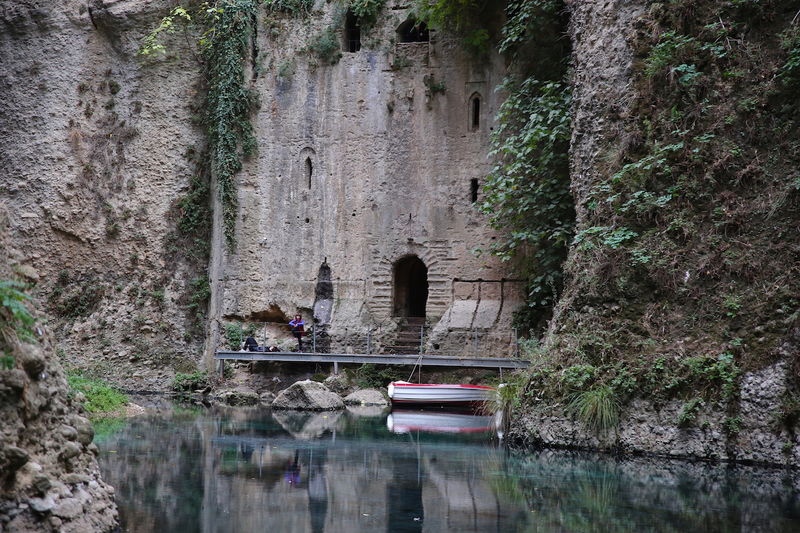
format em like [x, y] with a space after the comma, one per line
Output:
[654, 292]
[95, 148]
[49, 478]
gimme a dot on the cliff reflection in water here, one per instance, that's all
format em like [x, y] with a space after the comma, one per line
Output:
[250, 470]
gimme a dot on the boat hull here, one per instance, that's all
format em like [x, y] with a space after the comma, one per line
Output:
[439, 394]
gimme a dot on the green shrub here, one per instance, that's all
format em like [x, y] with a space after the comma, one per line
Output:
[234, 336]
[369, 376]
[689, 411]
[190, 382]
[325, 46]
[296, 8]
[16, 321]
[100, 396]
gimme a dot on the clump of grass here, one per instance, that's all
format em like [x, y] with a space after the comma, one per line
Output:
[597, 407]
[100, 396]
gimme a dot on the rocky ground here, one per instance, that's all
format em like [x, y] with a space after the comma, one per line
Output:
[49, 477]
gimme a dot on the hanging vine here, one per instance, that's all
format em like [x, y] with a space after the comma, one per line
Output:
[225, 45]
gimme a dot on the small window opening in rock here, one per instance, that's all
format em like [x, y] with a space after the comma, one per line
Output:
[309, 170]
[413, 31]
[475, 119]
[435, 346]
[473, 190]
[352, 33]
[308, 220]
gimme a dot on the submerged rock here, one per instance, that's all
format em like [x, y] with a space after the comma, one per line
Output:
[367, 397]
[308, 395]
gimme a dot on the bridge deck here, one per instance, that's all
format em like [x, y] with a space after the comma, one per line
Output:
[380, 359]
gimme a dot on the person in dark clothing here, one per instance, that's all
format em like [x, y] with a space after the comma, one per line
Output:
[250, 344]
[298, 328]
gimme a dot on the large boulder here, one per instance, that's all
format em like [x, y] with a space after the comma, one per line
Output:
[338, 383]
[308, 396]
[366, 397]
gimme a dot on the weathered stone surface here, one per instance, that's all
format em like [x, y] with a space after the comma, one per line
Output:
[69, 450]
[12, 459]
[366, 397]
[32, 360]
[240, 395]
[68, 508]
[84, 429]
[75, 478]
[308, 395]
[42, 505]
[338, 383]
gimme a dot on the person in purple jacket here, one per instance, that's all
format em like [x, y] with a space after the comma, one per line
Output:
[298, 328]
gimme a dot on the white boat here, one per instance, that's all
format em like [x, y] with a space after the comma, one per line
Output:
[402, 392]
[434, 422]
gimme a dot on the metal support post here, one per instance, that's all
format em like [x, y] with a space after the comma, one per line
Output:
[369, 341]
[421, 337]
[221, 369]
[314, 338]
[336, 367]
[516, 343]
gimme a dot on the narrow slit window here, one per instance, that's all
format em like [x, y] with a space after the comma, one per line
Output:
[309, 170]
[473, 190]
[475, 113]
[352, 33]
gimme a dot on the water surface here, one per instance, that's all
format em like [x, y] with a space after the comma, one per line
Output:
[243, 470]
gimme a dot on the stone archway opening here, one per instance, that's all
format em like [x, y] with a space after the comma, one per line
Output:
[410, 284]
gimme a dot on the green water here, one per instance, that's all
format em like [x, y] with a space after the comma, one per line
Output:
[249, 470]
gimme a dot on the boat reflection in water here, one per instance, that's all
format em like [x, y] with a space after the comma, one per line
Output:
[405, 421]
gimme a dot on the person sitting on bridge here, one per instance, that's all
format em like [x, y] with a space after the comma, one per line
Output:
[298, 329]
[250, 344]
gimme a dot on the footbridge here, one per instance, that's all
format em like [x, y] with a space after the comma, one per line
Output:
[419, 360]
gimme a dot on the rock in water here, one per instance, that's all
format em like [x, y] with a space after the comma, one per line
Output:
[241, 395]
[366, 397]
[309, 396]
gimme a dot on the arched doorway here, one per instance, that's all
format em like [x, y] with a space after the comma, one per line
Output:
[410, 278]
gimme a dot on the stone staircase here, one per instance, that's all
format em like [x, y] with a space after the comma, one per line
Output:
[407, 340]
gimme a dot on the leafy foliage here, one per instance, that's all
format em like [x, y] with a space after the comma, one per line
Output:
[465, 18]
[366, 11]
[16, 321]
[297, 8]
[527, 192]
[152, 43]
[234, 336]
[375, 376]
[228, 101]
[325, 46]
[100, 396]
